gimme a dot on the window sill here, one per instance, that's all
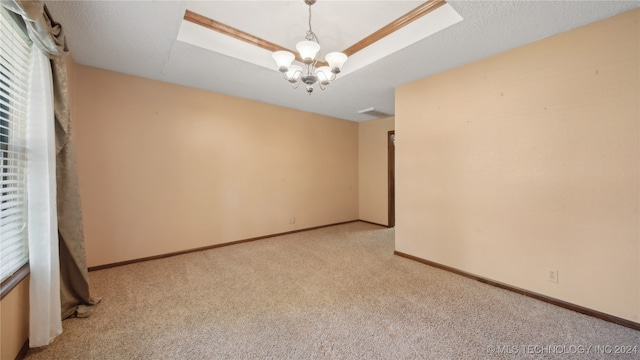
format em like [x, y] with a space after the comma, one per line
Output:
[13, 280]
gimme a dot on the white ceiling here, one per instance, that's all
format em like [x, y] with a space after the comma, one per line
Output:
[141, 38]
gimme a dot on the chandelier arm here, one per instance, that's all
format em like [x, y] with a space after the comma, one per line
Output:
[322, 76]
[294, 80]
[333, 77]
[297, 74]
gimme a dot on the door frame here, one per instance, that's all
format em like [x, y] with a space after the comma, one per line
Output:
[391, 180]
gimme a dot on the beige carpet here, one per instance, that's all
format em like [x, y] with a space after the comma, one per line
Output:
[331, 293]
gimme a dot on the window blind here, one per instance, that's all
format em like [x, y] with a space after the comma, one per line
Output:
[14, 66]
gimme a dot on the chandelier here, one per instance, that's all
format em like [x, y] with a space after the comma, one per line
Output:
[309, 51]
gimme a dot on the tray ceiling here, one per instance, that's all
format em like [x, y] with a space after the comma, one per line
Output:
[335, 35]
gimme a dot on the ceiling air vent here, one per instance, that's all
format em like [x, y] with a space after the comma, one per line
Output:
[375, 113]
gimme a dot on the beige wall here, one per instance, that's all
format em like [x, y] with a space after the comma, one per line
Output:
[165, 168]
[529, 160]
[373, 167]
[14, 320]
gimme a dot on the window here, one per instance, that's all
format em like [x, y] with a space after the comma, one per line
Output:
[15, 50]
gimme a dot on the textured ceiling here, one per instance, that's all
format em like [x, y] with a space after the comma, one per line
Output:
[140, 38]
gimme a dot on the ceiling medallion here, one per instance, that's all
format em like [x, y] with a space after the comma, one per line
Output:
[309, 51]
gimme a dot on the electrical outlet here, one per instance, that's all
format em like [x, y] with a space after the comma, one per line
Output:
[292, 220]
[552, 275]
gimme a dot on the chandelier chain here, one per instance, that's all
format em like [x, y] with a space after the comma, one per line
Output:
[311, 36]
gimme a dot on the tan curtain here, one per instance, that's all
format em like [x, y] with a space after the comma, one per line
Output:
[74, 278]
